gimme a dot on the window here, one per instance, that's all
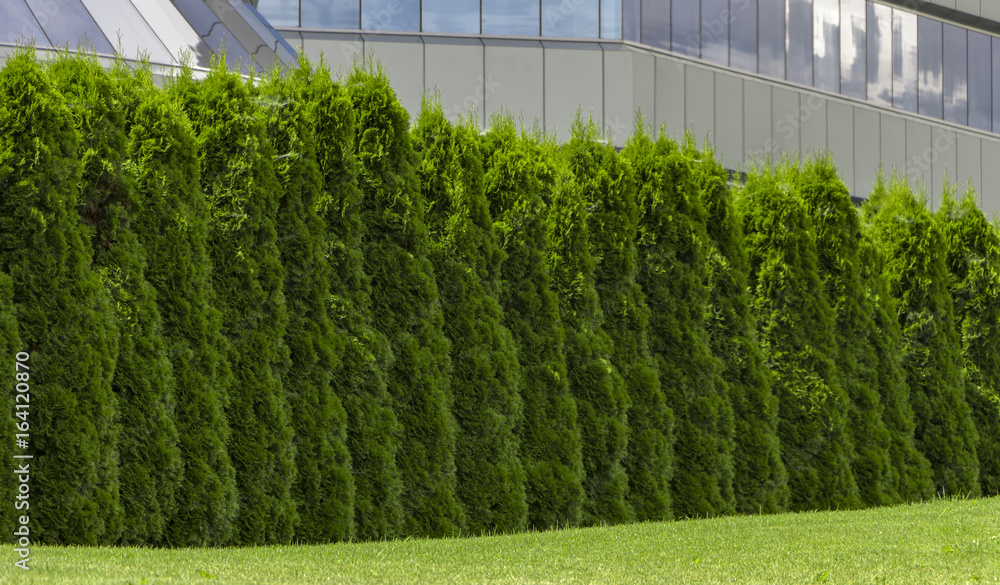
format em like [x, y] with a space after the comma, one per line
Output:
[799, 41]
[631, 13]
[929, 77]
[880, 54]
[68, 22]
[656, 23]
[980, 81]
[570, 18]
[17, 25]
[285, 12]
[331, 14]
[956, 75]
[826, 44]
[771, 45]
[715, 31]
[904, 60]
[510, 17]
[451, 16]
[853, 41]
[611, 19]
[686, 32]
[390, 15]
[743, 35]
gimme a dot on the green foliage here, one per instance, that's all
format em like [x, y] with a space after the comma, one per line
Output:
[796, 328]
[173, 229]
[150, 463]
[487, 376]
[238, 178]
[601, 398]
[673, 272]
[760, 481]
[974, 263]
[551, 451]
[324, 488]
[606, 183]
[838, 242]
[406, 306]
[10, 345]
[64, 315]
[915, 254]
[373, 432]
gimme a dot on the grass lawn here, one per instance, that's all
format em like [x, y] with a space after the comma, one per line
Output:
[949, 541]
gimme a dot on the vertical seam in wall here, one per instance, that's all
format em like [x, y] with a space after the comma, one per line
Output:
[545, 81]
[604, 85]
[482, 45]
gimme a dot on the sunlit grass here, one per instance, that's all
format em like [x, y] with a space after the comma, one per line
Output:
[946, 541]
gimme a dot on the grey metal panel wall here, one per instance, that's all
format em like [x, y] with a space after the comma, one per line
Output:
[813, 123]
[991, 10]
[455, 70]
[403, 60]
[339, 50]
[573, 81]
[970, 168]
[786, 116]
[990, 197]
[867, 150]
[757, 127]
[699, 113]
[516, 69]
[644, 85]
[729, 119]
[669, 96]
[840, 139]
[971, 6]
[893, 146]
[944, 161]
[619, 94]
[918, 154]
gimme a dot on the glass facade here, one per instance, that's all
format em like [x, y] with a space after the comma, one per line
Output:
[863, 49]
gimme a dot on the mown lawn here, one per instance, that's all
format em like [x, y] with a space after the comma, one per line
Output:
[951, 541]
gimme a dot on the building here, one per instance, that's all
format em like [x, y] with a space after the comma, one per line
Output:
[909, 83]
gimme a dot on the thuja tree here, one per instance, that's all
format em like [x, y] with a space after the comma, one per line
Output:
[910, 473]
[974, 263]
[760, 481]
[837, 226]
[796, 328]
[173, 229]
[323, 488]
[915, 265]
[405, 305]
[550, 436]
[150, 462]
[601, 398]
[487, 376]
[65, 320]
[238, 179]
[14, 417]
[373, 432]
[607, 184]
[673, 273]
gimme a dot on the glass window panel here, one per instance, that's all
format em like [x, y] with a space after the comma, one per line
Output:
[68, 22]
[243, 31]
[956, 75]
[686, 28]
[632, 13]
[570, 18]
[18, 25]
[281, 12]
[331, 14]
[611, 19]
[771, 45]
[880, 54]
[390, 15]
[511, 17]
[211, 30]
[826, 44]
[715, 31]
[980, 81]
[904, 60]
[929, 77]
[129, 30]
[743, 35]
[451, 16]
[656, 23]
[274, 40]
[799, 41]
[853, 63]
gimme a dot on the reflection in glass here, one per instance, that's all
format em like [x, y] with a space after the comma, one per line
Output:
[631, 11]
[570, 18]
[390, 15]
[331, 14]
[771, 45]
[214, 32]
[611, 19]
[853, 80]
[826, 44]
[656, 23]
[18, 26]
[980, 74]
[799, 41]
[281, 12]
[134, 36]
[929, 78]
[956, 71]
[880, 54]
[451, 16]
[904, 60]
[510, 17]
[68, 22]
[686, 29]
[715, 31]
[743, 35]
